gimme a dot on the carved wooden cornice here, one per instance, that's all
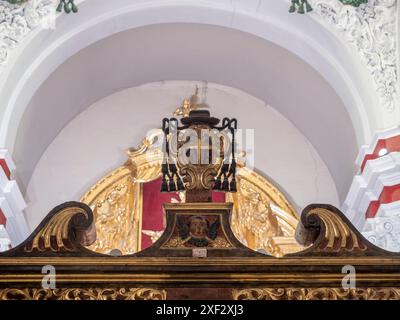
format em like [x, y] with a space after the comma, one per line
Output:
[317, 294]
[314, 273]
[82, 294]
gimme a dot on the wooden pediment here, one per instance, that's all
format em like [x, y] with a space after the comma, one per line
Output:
[199, 250]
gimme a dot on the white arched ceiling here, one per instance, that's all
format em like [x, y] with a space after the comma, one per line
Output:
[184, 51]
[48, 82]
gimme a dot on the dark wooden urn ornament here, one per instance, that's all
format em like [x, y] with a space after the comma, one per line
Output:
[199, 155]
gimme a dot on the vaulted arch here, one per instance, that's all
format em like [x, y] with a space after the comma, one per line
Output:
[337, 95]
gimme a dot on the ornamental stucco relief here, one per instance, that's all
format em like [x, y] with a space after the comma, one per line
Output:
[384, 232]
[16, 21]
[370, 28]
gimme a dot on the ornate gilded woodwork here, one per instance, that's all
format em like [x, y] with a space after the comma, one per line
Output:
[199, 155]
[314, 273]
[267, 220]
[198, 248]
[192, 226]
[68, 228]
[198, 231]
[116, 200]
[337, 235]
[82, 294]
[55, 234]
[323, 228]
[317, 294]
[375, 293]
[118, 214]
[255, 223]
[188, 105]
[327, 230]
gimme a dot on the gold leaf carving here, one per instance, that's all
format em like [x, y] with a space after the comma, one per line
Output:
[117, 214]
[221, 242]
[54, 236]
[189, 105]
[335, 234]
[175, 242]
[317, 294]
[253, 221]
[83, 294]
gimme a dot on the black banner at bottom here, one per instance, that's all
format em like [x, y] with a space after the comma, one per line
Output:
[198, 309]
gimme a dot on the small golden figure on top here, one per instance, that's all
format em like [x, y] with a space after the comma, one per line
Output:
[190, 104]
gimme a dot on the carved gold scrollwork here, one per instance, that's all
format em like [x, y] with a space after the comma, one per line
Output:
[68, 226]
[83, 294]
[255, 222]
[116, 200]
[198, 177]
[117, 211]
[328, 230]
[317, 294]
[221, 242]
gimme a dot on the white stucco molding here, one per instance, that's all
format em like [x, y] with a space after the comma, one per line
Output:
[4, 154]
[17, 21]
[380, 135]
[12, 204]
[16, 224]
[389, 210]
[5, 241]
[384, 229]
[368, 186]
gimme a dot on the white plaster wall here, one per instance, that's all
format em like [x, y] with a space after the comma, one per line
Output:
[95, 141]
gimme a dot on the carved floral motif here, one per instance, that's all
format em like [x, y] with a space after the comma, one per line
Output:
[116, 208]
[384, 232]
[16, 21]
[83, 294]
[317, 294]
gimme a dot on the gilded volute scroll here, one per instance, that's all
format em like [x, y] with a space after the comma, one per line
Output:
[66, 230]
[327, 231]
